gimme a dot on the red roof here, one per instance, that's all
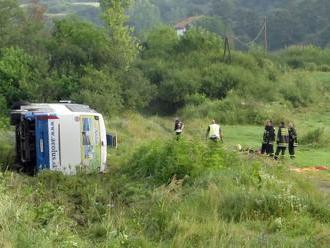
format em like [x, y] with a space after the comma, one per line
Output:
[186, 22]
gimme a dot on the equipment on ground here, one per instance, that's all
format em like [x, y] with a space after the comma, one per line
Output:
[62, 137]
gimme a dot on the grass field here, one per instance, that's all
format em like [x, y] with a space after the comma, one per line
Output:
[134, 130]
[228, 200]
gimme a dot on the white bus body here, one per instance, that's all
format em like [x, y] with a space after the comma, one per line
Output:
[61, 137]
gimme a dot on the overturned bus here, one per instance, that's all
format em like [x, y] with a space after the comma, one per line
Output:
[61, 137]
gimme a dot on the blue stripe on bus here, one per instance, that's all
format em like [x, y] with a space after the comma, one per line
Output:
[42, 144]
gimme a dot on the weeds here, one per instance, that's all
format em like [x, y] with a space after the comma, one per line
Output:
[165, 193]
[315, 138]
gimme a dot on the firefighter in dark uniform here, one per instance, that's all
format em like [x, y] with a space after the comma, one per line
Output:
[268, 139]
[282, 140]
[293, 140]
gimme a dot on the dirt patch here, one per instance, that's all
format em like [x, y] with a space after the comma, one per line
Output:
[310, 169]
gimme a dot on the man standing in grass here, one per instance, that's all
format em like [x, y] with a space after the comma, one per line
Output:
[268, 139]
[214, 132]
[293, 140]
[282, 140]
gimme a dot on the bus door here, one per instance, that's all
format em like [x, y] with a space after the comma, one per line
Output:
[90, 142]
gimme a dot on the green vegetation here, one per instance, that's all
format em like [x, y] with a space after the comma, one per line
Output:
[109, 69]
[289, 22]
[210, 197]
[160, 192]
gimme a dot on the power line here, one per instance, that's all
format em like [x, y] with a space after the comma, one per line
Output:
[263, 30]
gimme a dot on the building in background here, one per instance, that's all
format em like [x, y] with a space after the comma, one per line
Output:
[183, 26]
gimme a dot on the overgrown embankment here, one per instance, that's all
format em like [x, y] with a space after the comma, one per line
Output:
[167, 193]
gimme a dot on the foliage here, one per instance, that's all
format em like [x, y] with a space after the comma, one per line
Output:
[160, 162]
[102, 66]
[100, 90]
[316, 138]
[69, 59]
[7, 156]
[143, 16]
[215, 199]
[290, 22]
[160, 191]
[15, 74]
[194, 64]
[306, 57]
[122, 42]
[234, 110]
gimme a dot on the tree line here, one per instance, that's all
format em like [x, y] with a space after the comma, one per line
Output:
[108, 68]
[289, 21]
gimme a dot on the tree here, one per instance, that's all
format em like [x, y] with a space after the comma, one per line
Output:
[100, 90]
[137, 90]
[16, 75]
[123, 45]
[11, 17]
[212, 24]
[77, 43]
[143, 16]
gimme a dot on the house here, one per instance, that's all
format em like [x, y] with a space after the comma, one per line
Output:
[182, 26]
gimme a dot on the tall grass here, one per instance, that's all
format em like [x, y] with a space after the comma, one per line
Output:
[7, 153]
[167, 194]
[235, 110]
[316, 138]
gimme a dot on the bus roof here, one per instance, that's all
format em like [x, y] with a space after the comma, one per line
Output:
[59, 108]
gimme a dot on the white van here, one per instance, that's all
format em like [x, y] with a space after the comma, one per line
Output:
[59, 136]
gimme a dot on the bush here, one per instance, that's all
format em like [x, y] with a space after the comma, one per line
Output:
[305, 57]
[324, 68]
[315, 138]
[195, 99]
[301, 91]
[160, 162]
[234, 110]
[7, 153]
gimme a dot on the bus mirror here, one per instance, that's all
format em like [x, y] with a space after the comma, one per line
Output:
[112, 140]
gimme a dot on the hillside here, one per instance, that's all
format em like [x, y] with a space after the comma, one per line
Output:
[159, 191]
[217, 198]
[289, 22]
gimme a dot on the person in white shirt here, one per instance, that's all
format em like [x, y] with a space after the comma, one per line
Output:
[214, 132]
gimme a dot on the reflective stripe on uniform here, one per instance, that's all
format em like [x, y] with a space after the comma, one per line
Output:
[284, 131]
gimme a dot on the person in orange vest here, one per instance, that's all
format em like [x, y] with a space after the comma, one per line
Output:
[214, 132]
[282, 140]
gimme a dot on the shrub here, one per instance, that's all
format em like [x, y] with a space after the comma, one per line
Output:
[324, 68]
[7, 153]
[316, 137]
[234, 110]
[195, 99]
[160, 162]
[301, 92]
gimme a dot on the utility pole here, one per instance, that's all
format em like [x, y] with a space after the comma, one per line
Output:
[227, 52]
[265, 35]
